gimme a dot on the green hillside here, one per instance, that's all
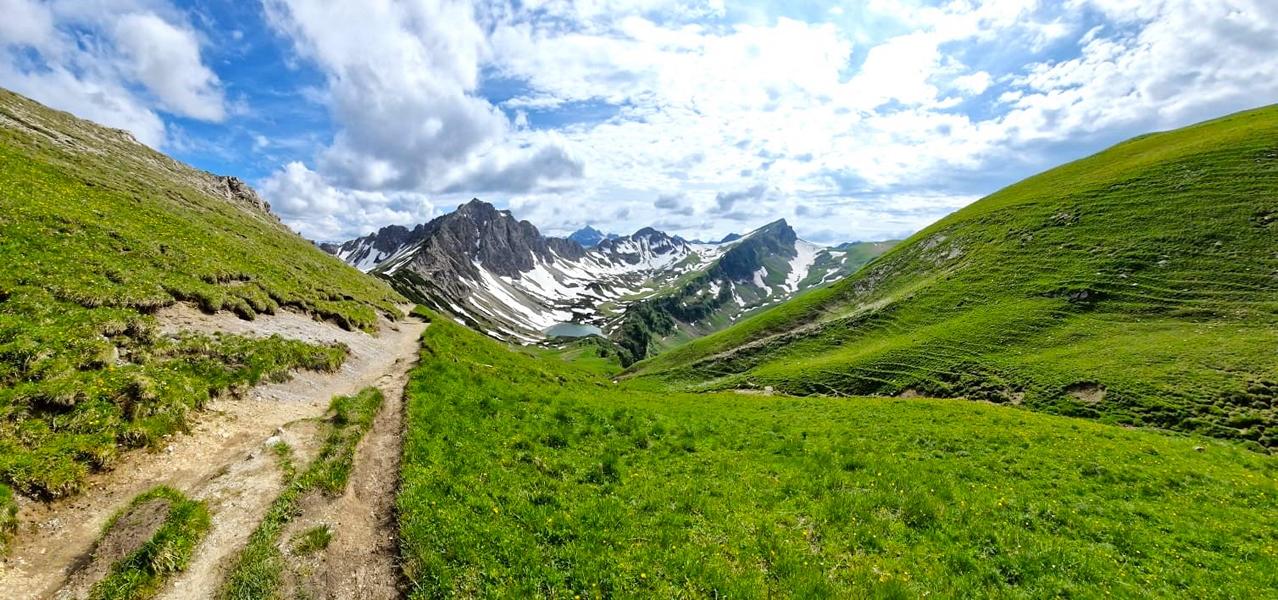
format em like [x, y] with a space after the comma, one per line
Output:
[97, 232]
[525, 476]
[1139, 286]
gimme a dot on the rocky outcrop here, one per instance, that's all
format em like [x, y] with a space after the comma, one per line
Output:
[237, 190]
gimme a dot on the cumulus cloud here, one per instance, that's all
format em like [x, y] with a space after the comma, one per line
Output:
[674, 204]
[26, 23]
[323, 212]
[119, 62]
[1164, 64]
[874, 122]
[166, 59]
[402, 79]
[727, 201]
[973, 83]
[525, 170]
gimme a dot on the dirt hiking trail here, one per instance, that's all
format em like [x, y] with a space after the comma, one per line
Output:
[223, 461]
[362, 559]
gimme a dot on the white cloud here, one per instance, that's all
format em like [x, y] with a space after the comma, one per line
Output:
[118, 62]
[401, 78]
[1185, 61]
[166, 59]
[323, 212]
[652, 111]
[780, 102]
[27, 23]
[974, 83]
[900, 69]
[401, 87]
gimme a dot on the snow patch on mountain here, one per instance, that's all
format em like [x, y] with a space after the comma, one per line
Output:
[501, 276]
[806, 254]
[759, 278]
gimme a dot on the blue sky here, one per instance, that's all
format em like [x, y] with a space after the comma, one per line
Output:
[860, 120]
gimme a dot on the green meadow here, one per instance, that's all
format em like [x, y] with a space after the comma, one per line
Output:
[528, 476]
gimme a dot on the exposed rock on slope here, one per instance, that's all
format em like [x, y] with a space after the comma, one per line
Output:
[500, 275]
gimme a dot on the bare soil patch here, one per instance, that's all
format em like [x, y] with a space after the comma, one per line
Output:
[1087, 392]
[130, 532]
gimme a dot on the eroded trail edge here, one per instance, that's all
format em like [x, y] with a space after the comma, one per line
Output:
[223, 460]
[362, 561]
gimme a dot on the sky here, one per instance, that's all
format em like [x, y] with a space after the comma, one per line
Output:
[853, 121]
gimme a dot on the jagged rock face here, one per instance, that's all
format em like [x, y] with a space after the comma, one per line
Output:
[367, 252]
[644, 246]
[566, 248]
[236, 190]
[500, 275]
[507, 247]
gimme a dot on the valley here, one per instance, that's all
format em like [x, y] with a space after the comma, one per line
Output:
[1136, 286]
[1066, 388]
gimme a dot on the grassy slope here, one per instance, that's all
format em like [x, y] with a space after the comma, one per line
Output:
[1150, 269]
[96, 233]
[528, 477]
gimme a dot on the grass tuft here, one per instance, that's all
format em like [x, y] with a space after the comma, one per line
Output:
[312, 540]
[8, 518]
[142, 573]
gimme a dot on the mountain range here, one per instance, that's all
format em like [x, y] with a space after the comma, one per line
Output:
[1137, 287]
[500, 275]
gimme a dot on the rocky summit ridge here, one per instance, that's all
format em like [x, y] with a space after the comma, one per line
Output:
[501, 275]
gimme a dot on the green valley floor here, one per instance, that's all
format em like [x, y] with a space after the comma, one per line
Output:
[526, 475]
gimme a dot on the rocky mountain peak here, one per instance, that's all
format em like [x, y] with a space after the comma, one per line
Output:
[589, 237]
[477, 208]
[477, 232]
[746, 258]
[778, 227]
